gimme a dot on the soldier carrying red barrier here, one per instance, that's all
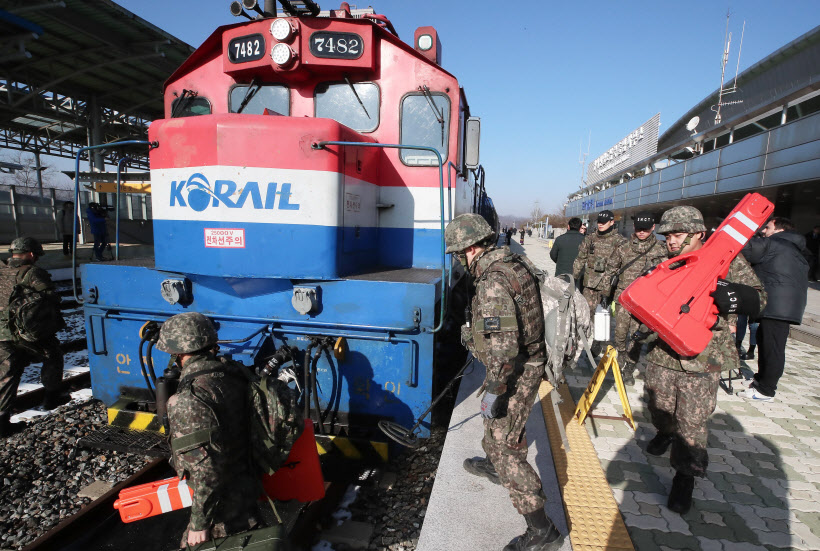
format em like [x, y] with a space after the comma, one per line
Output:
[682, 390]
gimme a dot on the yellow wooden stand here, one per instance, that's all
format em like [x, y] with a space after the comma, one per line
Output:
[585, 403]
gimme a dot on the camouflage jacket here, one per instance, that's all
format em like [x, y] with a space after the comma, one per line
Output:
[592, 257]
[35, 277]
[653, 251]
[507, 322]
[210, 442]
[720, 354]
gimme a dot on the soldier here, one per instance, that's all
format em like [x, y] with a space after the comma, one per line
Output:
[17, 353]
[682, 391]
[591, 261]
[210, 441]
[641, 252]
[505, 332]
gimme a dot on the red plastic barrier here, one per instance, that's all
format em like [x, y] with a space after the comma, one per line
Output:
[153, 498]
[676, 302]
[300, 477]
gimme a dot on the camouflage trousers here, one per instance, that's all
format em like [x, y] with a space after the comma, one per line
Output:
[14, 358]
[505, 441]
[625, 326]
[594, 298]
[680, 404]
[237, 514]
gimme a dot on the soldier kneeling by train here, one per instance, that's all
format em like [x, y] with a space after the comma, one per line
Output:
[29, 321]
[506, 333]
[682, 391]
[213, 438]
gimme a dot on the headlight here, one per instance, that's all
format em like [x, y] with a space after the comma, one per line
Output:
[281, 29]
[281, 54]
[425, 42]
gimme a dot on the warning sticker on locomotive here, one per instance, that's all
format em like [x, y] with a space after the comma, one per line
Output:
[225, 238]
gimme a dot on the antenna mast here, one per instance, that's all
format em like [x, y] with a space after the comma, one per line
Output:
[727, 42]
[582, 157]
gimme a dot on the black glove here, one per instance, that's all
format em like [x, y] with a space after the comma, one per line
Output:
[735, 298]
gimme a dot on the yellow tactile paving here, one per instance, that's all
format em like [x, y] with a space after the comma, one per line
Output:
[595, 523]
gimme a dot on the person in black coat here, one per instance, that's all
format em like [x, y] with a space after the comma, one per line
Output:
[565, 247]
[813, 245]
[779, 260]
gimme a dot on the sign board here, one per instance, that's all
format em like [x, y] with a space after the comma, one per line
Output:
[125, 187]
[640, 144]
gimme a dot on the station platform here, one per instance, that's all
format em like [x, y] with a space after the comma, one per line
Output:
[59, 265]
[761, 492]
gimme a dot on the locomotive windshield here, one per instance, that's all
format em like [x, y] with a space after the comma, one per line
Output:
[273, 97]
[425, 119]
[190, 105]
[359, 110]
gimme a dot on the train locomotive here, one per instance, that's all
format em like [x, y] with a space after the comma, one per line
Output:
[300, 184]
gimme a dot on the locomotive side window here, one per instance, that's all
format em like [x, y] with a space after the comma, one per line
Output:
[190, 106]
[258, 97]
[425, 120]
[353, 105]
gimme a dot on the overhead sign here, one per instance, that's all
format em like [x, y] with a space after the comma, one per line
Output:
[640, 144]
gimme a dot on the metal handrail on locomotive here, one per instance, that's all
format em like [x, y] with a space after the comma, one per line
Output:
[320, 259]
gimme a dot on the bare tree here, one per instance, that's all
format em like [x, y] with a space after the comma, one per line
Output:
[27, 175]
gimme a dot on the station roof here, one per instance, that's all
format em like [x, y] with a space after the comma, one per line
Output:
[62, 56]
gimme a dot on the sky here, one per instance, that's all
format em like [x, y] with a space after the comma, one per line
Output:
[543, 76]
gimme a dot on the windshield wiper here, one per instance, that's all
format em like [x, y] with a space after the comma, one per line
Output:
[439, 116]
[250, 91]
[184, 99]
[347, 80]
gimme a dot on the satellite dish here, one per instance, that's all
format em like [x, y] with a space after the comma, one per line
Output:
[693, 123]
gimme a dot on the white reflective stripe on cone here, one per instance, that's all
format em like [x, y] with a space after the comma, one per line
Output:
[164, 500]
[184, 493]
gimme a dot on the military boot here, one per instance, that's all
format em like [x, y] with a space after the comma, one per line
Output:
[659, 444]
[627, 374]
[541, 534]
[7, 428]
[54, 399]
[482, 467]
[680, 497]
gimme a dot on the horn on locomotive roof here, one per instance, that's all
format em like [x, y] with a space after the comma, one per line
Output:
[237, 11]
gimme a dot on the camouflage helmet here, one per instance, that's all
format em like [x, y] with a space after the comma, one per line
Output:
[466, 230]
[681, 219]
[26, 245]
[186, 333]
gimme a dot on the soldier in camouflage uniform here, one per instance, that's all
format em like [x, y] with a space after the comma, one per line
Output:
[16, 354]
[592, 257]
[635, 256]
[682, 391]
[506, 333]
[210, 440]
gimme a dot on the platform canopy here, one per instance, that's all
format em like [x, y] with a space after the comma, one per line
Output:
[74, 72]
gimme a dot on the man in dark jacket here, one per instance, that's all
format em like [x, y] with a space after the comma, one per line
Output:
[779, 260]
[96, 220]
[813, 245]
[565, 247]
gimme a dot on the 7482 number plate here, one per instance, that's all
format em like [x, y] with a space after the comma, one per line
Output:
[336, 45]
[246, 48]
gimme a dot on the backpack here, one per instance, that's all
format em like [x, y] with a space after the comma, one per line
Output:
[275, 420]
[567, 323]
[32, 315]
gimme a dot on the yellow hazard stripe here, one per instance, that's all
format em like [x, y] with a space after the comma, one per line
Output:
[352, 448]
[592, 513]
[120, 416]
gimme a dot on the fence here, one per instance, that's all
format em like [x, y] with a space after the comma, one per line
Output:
[24, 212]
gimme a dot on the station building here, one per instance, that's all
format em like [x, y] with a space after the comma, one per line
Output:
[766, 139]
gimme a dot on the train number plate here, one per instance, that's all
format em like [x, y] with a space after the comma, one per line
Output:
[246, 48]
[336, 45]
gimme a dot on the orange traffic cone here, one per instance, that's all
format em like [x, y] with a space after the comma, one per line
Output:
[153, 498]
[300, 477]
